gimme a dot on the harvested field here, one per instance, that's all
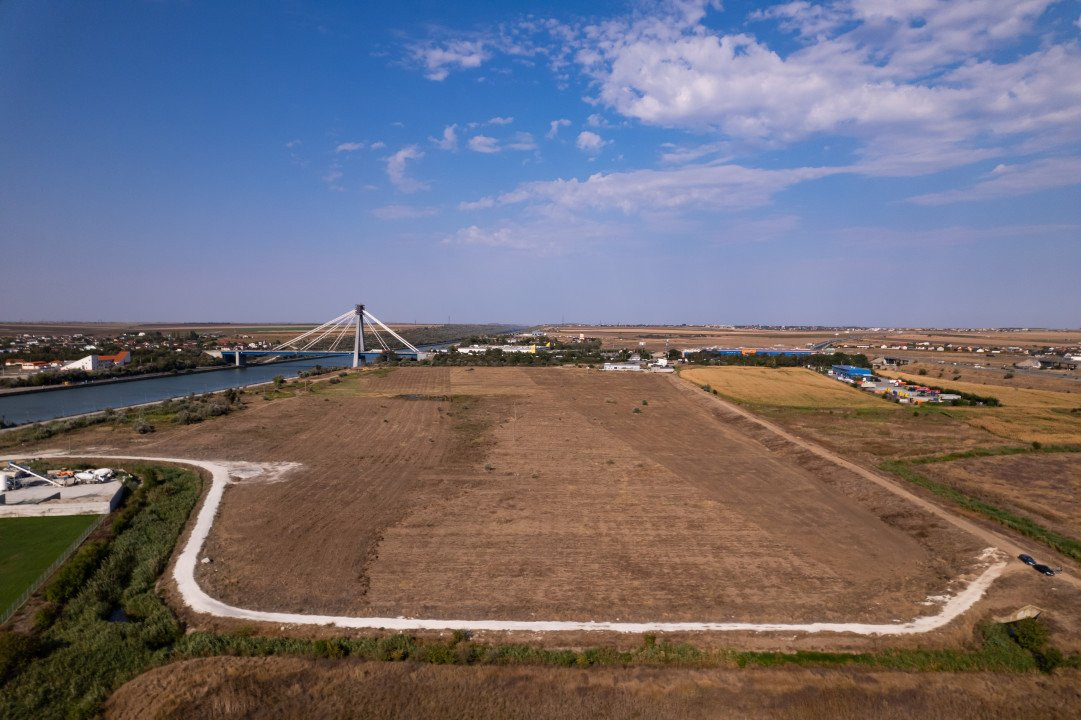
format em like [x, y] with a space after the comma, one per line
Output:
[1043, 486]
[558, 493]
[682, 336]
[1046, 416]
[784, 387]
[839, 416]
[1018, 397]
[893, 432]
[281, 687]
[1053, 380]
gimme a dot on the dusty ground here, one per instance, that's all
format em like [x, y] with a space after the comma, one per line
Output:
[1045, 487]
[292, 687]
[541, 493]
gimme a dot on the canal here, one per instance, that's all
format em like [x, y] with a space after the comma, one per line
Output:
[79, 399]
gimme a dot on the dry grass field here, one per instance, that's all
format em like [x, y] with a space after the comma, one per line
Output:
[839, 416]
[684, 336]
[548, 493]
[1043, 486]
[780, 387]
[1001, 374]
[1020, 338]
[1026, 415]
[281, 687]
[704, 335]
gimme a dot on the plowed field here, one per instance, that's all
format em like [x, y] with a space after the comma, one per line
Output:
[551, 494]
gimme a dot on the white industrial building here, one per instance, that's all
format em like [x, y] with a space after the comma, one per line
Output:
[623, 367]
[480, 349]
[91, 363]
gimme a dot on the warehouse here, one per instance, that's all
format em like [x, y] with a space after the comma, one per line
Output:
[623, 367]
[850, 373]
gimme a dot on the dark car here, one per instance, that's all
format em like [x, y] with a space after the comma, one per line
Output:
[1044, 569]
[1027, 559]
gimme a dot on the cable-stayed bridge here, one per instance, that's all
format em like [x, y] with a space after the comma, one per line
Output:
[333, 339]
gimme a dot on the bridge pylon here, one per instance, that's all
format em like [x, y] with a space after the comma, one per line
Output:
[358, 340]
[332, 338]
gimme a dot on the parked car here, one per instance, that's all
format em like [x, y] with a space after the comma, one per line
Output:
[1027, 559]
[1044, 569]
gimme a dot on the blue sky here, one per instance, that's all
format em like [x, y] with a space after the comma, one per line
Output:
[873, 162]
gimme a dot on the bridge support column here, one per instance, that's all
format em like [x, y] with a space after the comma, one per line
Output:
[239, 357]
[358, 340]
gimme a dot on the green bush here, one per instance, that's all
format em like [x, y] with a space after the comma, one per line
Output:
[75, 572]
[16, 650]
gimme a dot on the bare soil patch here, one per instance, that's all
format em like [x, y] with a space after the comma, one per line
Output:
[549, 493]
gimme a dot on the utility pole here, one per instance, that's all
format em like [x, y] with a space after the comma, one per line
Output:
[358, 341]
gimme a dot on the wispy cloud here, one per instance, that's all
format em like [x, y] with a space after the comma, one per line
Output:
[500, 120]
[553, 127]
[403, 212]
[522, 141]
[396, 169]
[331, 178]
[590, 142]
[484, 144]
[449, 139]
[439, 59]
[348, 147]
[694, 186]
[1012, 180]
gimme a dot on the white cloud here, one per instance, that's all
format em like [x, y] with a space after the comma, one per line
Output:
[500, 237]
[717, 186]
[590, 142]
[867, 69]
[522, 141]
[396, 169]
[439, 60]
[293, 144]
[484, 144]
[333, 176]
[500, 120]
[347, 147]
[542, 233]
[482, 204]
[683, 154]
[378, 145]
[402, 212]
[449, 140]
[553, 127]
[1012, 180]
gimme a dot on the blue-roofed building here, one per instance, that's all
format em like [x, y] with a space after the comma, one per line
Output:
[851, 372]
